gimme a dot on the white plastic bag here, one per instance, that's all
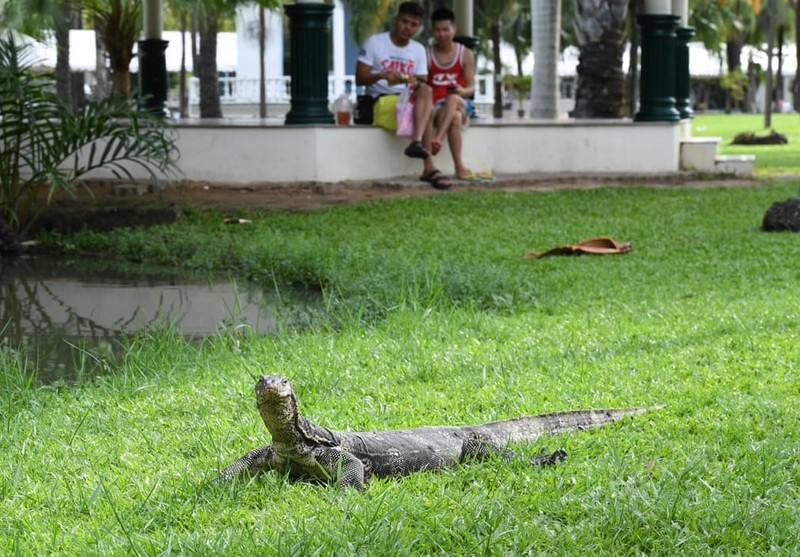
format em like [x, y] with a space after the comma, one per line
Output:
[405, 114]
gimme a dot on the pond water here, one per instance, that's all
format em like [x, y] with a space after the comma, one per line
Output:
[71, 316]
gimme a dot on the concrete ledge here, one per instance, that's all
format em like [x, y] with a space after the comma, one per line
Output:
[237, 151]
[697, 153]
[738, 165]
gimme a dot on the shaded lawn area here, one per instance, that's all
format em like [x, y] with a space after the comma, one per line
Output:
[433, 316]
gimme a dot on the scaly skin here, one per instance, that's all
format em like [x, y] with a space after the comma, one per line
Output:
[302, 449]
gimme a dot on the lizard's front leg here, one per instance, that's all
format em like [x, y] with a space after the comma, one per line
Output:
[252, 463]
[339, 464]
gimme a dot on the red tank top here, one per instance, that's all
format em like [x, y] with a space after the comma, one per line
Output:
[442, 77]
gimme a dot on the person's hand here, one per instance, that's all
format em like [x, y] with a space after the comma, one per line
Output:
[455, 89]
[393, 77]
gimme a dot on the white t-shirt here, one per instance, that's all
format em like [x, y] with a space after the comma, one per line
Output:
[383, 55]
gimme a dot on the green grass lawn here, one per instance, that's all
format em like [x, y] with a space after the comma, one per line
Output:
[771, 160]
[432, 315]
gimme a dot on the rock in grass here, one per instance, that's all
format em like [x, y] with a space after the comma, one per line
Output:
[783, 215]
[772, 138]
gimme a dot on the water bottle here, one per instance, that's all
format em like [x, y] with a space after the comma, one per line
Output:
[343, 105]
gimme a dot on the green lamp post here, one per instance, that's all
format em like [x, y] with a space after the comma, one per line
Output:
[657, 82]
[153, 82]
[308, 43]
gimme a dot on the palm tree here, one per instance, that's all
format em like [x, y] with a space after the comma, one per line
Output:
[599, 29]
[205, 65]
[367, 16]
[517, 31]
[35, 18]
[184, 11]
[546, 22]
[119, 23]
[729, 24]
[489, 17]
[47, 149]
[209, 13]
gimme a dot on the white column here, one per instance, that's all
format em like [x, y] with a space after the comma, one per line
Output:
[658, 7]
[153, 19]
[464, 17]
[680, 8]
[338, 47]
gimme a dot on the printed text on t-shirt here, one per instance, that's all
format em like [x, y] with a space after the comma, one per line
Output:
[405, 67]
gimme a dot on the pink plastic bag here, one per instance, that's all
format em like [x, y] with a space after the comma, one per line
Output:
[405, 114]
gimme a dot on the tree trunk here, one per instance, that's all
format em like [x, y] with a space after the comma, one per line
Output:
[733, 58]
[546, 34]
[633, 66]
[119, 24]
[262, 77]
[63, 74]
[183, 101]
[494, 32]
[769, 91]
[600, 90]
[120, 80]
[102, 89]
[206, 69]
[779, 71]
[733, 51]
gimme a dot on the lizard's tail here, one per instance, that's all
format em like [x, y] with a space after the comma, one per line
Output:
[528, 428]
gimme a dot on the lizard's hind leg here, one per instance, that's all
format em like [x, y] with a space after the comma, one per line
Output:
[341, 465]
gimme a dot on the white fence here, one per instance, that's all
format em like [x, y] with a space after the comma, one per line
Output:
[246, 91]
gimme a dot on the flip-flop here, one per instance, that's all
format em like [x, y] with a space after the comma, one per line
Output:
[437, 179]
[416, 151]
[436, 146]
[598, 246]
[476, 177]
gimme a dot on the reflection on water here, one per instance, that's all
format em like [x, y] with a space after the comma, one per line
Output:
[69, 316]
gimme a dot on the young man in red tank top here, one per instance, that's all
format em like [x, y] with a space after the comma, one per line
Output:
[451, 73]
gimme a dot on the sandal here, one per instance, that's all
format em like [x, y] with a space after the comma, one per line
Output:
[437, 179]
[476, 177]
[436, 146]
[600, 246]
[416, 151]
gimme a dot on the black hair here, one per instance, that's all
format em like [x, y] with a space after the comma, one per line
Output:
[443, 14]
[411, 8]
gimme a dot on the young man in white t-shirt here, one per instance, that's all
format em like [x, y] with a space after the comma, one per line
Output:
[386, 63]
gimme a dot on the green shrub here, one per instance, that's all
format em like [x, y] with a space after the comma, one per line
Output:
[46, 148]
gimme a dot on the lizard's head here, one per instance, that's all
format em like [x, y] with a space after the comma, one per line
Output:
[276, 402]
[272, 387]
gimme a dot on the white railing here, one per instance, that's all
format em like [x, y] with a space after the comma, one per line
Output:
[235, 90]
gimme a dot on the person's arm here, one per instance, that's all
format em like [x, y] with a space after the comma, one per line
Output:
[468, 67]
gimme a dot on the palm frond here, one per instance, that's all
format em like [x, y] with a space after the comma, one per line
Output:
[47, 148]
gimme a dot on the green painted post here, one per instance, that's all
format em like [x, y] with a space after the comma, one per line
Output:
[683, 35]
[308, 43]
[153, 76]
[657, 82]
[468, 41]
